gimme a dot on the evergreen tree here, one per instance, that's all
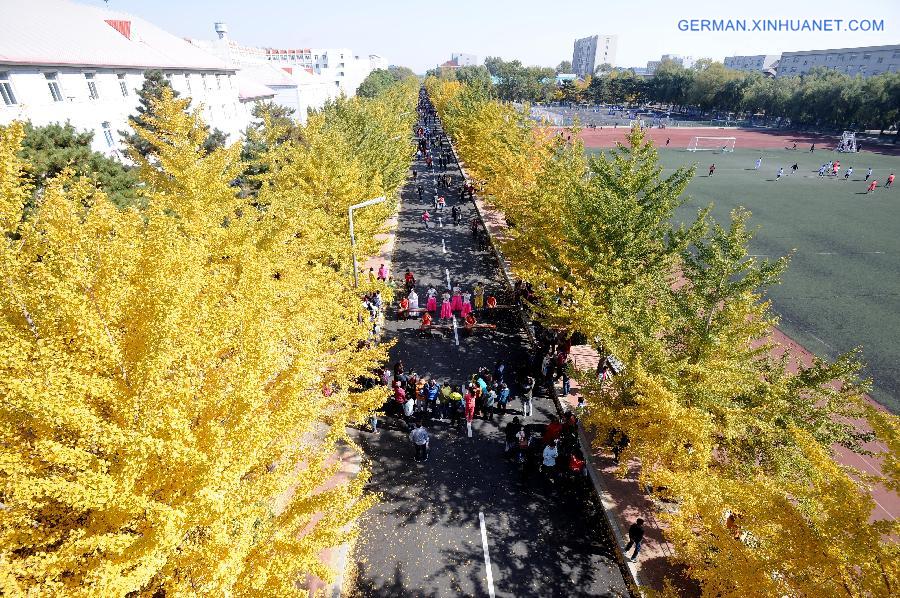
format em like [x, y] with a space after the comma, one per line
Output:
[50, 149]
[151, 91]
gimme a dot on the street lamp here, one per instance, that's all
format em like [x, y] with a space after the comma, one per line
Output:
[364, 204]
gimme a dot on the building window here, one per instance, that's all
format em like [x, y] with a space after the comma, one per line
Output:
[341, 65]
[219, 82]
[880, 59]
[123, 85]
[9, 98]
[107, 134]
[867, 56]
[187, 82]
[53, 84]
[341, 74]
[92, 86]
[203, 78]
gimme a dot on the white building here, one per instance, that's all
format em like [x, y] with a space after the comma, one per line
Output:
[761, 63]
[291, 84]
[61, 61]
[591, 52]
[684, 61]
[464, 59]
[340, 66]
[867, 61]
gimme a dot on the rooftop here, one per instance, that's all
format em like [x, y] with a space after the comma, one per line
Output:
[63, 33]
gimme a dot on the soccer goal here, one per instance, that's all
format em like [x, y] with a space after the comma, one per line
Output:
[725, 144]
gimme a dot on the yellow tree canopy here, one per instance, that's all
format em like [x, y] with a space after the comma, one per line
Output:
[175, 380]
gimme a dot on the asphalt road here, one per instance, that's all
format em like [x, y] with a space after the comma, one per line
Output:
[425, 536]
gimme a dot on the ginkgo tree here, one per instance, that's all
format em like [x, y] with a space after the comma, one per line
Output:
[176, 379]
[740, 439]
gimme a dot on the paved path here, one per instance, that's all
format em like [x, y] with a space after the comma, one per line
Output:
[425, 538]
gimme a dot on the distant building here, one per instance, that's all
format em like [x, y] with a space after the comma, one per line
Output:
[292, 86]
[591, 52]
[866, 61]
[562, 78]
[341, 66]
[761, 63]
[65, 62]
[684, 61]
[456, 61]
[464, 59]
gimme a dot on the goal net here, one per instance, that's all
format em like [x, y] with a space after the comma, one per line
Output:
[724, 144]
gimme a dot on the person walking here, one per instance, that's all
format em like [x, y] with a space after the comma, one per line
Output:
[502, 399]
[527, 395]
[512, 435]
[419, 438]
[420, 190]
[635, 537]
[490, 403]
[425, 218]
[712, 170]
[551, 452]
[469, 400]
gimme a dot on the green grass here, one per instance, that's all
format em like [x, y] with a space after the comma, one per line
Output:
[842, 288]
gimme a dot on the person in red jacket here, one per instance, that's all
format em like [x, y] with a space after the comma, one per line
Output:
[470, 408]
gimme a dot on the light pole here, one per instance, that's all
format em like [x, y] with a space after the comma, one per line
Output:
[364, 204]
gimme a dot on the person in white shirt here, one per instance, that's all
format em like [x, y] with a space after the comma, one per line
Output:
[758, 163]
[550, 455]
[419, 438]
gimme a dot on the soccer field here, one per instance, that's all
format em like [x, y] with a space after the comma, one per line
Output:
[842, 288]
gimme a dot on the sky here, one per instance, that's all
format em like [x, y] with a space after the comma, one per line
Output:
[421, 34]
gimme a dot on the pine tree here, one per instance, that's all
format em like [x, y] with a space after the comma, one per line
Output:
[50, 149]
[150, 92]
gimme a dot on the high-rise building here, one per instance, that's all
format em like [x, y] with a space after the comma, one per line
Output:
[591, 52]
[762, 63]
[866, 61]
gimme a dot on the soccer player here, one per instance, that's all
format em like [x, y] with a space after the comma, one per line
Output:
[848, 173]
[758, 163]
[668, 139]
[812, 148]
[712, 169]
[890, 181]
[872, 186]
[868, 173]
[822, 170]
[780, 173]
[794, 168]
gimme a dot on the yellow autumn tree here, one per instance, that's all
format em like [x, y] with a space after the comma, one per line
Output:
[741, 441]
[175, 381]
